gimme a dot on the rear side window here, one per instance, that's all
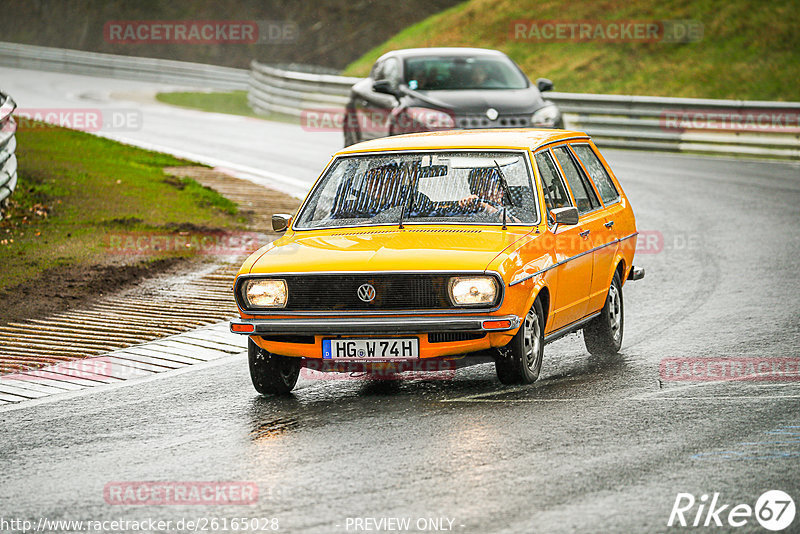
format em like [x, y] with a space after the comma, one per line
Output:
[585, 199]
[597, 172]
[555, 194]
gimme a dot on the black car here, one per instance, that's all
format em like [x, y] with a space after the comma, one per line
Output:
[423, 89]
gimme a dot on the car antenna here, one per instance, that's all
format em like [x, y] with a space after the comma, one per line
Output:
[505, 226]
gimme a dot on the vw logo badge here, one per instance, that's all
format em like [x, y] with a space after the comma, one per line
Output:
[491, 113]
[366, 292]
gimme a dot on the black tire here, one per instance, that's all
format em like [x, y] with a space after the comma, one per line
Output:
[520, 361]
[272, 374]
[603, 335]
[350, 133]
[349, 138]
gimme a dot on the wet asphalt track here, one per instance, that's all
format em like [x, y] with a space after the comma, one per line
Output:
[597, 445]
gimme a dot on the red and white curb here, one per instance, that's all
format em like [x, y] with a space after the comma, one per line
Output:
[137, 361]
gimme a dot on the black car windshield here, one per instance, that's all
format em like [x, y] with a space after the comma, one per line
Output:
[432, 187]
[459, 72]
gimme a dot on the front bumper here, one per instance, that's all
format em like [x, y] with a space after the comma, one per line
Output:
[376, 325]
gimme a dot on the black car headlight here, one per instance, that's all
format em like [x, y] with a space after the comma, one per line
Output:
[547, 116]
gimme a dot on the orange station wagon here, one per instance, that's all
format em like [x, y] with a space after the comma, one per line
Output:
[444, 248]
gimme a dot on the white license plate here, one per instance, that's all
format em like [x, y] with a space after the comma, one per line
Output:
[371, 349]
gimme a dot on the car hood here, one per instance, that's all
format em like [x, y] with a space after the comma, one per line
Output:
[505, 101]
[384, 249]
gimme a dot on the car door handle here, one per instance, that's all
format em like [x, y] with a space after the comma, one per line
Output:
[609, 224]
[584, 233]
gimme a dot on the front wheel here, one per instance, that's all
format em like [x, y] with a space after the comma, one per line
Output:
[272, 374]
[521, 360]
[349, 128]
[603, 334]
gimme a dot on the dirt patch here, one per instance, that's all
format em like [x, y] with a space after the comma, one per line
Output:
[322, 33]
[65, 288]
[255, 202]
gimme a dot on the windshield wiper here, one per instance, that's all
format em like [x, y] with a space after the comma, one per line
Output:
[402, 215]
[504, 184]
[408, 203]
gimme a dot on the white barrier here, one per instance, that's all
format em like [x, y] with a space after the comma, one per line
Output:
[128, 67]
[8, 144]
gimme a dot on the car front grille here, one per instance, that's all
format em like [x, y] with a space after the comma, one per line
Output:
[392, 292]
[482, 121]
[451, 337]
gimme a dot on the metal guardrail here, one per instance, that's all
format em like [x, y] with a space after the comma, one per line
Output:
[127, 67]
[8, 144]
[655, 123]
[639, 122]
[273, 89]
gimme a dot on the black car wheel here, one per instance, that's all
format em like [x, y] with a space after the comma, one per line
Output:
[272, 374]
[521, 360]
[603, 335]
[349, 129]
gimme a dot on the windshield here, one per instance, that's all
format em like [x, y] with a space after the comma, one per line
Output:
[434, 187]
[441, 73]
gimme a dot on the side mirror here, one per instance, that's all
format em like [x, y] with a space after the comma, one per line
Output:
[280, 222]
[566, 216]
[386, 87]
[544, 84]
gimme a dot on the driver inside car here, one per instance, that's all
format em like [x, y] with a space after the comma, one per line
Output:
[382, 189]
[488, 196]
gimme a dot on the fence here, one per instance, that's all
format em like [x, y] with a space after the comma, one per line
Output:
[127, 67]
[639, 122]
[8, 143]
[273, 89]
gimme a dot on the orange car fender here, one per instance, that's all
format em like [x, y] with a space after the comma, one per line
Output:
[544, 286]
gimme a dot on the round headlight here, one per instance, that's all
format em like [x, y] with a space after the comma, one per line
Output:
[265, 293]
[547, 116]
[430, 119]
[473, 290]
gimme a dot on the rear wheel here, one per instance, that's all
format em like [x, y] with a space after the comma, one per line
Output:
[603, 334]
[272, 374]
[520, 361]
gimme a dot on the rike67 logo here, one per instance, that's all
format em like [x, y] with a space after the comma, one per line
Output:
[774, 510]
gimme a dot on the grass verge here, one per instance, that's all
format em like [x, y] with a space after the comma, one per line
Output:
[78, 192]
[746, 52]
[232, 103]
